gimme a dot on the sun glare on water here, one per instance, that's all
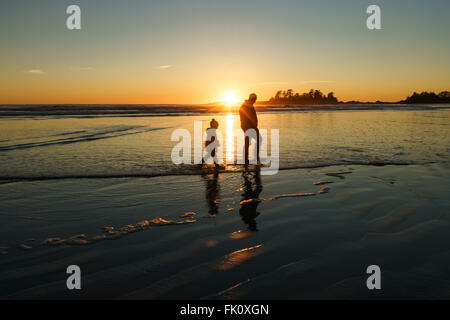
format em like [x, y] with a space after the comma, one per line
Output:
[230, 99]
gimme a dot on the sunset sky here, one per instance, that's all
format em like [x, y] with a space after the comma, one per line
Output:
[198, 51]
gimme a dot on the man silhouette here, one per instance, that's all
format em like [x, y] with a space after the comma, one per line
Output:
[249, 120]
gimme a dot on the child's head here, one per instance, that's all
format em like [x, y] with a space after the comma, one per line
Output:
[214, 124]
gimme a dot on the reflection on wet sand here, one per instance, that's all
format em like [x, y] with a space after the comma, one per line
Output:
[212, 192]
[238, 257]
[252, 188]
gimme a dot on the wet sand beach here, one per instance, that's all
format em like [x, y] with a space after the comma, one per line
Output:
[253, 246]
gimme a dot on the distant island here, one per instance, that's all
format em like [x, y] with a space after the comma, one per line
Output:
[313, 97]
[428, 97]
[316, 97]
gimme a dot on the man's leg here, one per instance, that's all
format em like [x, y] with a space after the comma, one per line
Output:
[257, 145]
[247, 144]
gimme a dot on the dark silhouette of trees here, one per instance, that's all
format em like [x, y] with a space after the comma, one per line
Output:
[331, 97]
[428, 97]
[313, 97]
[316, 97]
[278, 95]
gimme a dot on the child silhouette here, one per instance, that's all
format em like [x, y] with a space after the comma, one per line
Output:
[211, 139]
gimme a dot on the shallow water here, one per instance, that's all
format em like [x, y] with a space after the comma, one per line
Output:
[104, 146]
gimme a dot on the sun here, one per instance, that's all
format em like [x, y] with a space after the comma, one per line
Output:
[230, 99]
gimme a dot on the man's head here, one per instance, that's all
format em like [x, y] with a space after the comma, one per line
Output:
[252, 98]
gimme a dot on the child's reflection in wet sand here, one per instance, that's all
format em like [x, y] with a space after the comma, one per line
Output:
[212, 192]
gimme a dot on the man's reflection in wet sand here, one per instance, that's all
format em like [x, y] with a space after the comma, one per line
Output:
[252, 187]
[212, 192]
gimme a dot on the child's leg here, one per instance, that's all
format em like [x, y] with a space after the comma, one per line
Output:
[206, 156]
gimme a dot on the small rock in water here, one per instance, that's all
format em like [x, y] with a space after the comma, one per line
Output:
[230, 209]
[324, 190]
[106, 229]
[25, 247]
[31, 239]
[318, 183]
[4, 250]
[187, 214]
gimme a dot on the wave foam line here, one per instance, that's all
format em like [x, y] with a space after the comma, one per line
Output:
[188, 172]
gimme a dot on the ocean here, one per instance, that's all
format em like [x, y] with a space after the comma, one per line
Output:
[45, 142]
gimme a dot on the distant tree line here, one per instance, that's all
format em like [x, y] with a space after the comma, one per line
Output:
[312, 97]
[428, 97]
[316, 97]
